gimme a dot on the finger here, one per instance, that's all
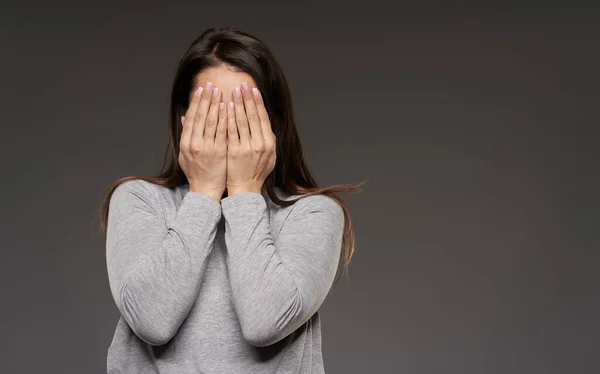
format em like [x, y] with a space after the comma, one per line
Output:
[212, 119]
[188, 119]
[240, 117]
[201, 112]
[262, 113]
[232, 131]
[252, 114]
[222, 126]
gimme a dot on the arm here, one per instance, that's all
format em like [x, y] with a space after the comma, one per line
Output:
[278, 285]
[155, 270]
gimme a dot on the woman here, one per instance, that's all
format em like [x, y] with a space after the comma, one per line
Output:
[221, 263]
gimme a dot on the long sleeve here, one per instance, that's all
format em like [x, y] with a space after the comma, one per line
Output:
[277, 285]
[155, 270]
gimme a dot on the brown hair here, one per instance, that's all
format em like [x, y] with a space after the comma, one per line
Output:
[228, 46]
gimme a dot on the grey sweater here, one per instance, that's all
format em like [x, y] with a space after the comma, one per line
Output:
[204, 287]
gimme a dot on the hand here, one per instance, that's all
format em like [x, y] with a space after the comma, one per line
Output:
[203, 156]
[251, 156]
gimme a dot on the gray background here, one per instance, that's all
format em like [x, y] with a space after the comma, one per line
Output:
[477, 233]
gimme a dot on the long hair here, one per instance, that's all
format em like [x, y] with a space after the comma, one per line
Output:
[242, 51]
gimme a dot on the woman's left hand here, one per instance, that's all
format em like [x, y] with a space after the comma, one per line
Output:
[251, 156]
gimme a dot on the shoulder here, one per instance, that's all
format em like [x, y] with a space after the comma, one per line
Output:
[134, 186]
[135, 191]
[315, 202]
[319, 203]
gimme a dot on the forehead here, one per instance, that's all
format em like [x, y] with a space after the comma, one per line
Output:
[225, 77]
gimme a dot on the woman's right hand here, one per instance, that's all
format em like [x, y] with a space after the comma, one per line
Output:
[203, 144]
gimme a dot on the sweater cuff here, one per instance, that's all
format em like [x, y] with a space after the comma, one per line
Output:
[197, 216]
[242, 198]
[200, 200]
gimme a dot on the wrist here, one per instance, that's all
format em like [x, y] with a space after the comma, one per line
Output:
[233, 190]
[215, 194]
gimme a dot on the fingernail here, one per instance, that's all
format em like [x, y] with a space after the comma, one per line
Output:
[238, 93]
[182, 118]
[245, 86]
[208, 86]
[198, 91]
[216, 92]
[231, 106]
[221, 106]
[255, 92]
